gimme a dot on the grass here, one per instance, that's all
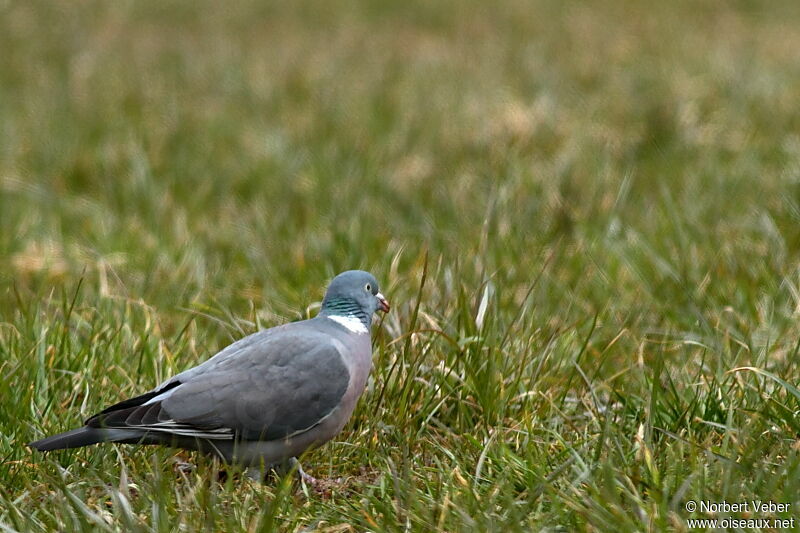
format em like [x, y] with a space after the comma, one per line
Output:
[585, 215]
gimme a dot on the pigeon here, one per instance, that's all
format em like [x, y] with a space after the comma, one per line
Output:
[263, 400]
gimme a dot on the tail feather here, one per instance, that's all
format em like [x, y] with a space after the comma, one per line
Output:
[69, 439]
[81, 437]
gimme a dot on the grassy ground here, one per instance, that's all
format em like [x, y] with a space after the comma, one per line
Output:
[585, 214]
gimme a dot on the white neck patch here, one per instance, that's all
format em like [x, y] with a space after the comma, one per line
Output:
[351, 323]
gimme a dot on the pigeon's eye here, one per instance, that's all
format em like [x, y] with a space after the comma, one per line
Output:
[368, 287]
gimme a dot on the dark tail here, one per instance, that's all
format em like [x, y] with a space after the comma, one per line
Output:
[71, 439]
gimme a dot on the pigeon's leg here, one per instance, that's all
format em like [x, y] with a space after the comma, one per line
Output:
[311, 480]
[255, 473]
[260, 474]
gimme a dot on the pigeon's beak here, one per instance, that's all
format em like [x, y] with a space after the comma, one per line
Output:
[384, 305]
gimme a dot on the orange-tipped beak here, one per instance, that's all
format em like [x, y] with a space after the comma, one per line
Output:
[384, 303]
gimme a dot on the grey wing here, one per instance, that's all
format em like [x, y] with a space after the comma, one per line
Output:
[233, 350]
[270, 390]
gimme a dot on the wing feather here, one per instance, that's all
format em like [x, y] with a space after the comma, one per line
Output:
[271, 387]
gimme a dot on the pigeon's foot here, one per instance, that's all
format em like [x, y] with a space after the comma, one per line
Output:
[260, 474]
[181, 466]
[309, 479]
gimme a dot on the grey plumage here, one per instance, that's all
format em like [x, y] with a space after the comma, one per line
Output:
[262, 400]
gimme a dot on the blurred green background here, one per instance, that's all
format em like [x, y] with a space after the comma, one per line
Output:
[608, 194]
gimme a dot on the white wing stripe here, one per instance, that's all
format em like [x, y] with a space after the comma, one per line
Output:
[186, 431]
[163, 396]
[183, 430]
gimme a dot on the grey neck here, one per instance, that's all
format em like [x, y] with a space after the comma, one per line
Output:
[345, 307]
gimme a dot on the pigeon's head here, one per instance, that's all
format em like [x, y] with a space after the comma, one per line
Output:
[354, 290]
